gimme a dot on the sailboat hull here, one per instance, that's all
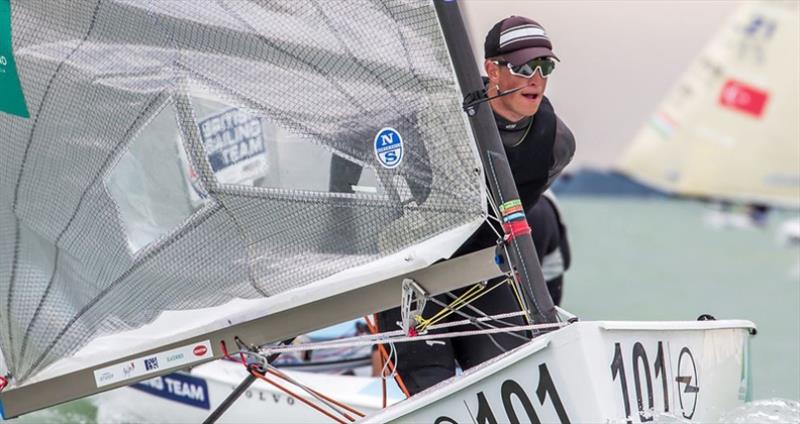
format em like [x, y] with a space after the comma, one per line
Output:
[598, 372]
[586, 372]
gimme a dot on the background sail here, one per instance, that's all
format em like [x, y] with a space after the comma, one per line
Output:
[729, 128]
[183, 154]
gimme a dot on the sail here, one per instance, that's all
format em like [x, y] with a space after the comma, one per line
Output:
[729, 129]
[188, 165]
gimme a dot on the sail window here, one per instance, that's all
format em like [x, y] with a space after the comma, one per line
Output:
[152, 184]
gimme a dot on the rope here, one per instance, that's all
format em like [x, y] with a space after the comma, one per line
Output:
[517, 294]
[456, 304]
[451, 310]
[373, 329]
[321, 397]
[300, 398]
[385, 338]
[484, 314]
[480, 323]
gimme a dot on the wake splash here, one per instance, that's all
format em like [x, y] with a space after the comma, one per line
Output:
[765, 411]
[775, 410]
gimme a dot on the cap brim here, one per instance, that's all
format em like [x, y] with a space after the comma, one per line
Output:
[518, 57]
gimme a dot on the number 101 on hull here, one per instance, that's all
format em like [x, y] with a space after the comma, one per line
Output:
[602, 371]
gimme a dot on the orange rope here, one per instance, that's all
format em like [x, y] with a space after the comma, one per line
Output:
[333, 401]
[383, 386]
[301, 399]
[373, 328]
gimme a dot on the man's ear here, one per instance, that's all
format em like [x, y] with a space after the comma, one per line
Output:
[491, 70]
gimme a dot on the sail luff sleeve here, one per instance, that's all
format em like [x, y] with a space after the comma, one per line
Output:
[501, 182]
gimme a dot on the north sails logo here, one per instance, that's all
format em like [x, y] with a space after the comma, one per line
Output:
[389, 147]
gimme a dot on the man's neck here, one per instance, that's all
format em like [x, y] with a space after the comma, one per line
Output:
[506, 114]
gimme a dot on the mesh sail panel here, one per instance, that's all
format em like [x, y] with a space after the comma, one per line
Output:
[182, 154]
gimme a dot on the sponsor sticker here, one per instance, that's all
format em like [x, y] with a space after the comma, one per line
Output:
[688, 384]
[180, 388]
[151, 364]
[199, 350]
[389, 148]
[12, 100]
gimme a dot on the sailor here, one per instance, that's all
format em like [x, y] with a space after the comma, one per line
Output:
[519, 61]
[552, 245]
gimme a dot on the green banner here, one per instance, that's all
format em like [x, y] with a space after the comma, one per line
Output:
[11, 98]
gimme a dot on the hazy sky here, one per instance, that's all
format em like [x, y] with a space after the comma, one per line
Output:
[618, 59]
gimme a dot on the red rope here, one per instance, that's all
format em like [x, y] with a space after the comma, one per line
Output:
[3, 383]
[331, 400]
[383, 386]
[300, 398]
[225, 353]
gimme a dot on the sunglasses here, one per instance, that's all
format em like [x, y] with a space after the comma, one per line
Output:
[527, 69]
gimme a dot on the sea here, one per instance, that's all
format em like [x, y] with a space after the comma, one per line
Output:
[637, 258]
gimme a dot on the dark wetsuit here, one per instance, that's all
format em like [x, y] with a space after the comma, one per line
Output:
[552, 247]
[538, 149]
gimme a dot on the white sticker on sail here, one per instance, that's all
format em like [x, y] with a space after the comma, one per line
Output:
[151, 364]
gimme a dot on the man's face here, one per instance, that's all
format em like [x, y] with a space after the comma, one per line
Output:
[522, 103]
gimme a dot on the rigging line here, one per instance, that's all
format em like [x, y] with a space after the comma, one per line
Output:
[514, 243]
[495, 209]
[361, 341]
[484, 314]
[34, 126]
[325, 400]
[453, 306]
[300, 398]
[475, 322]
[274, 370]
[496, 216]
[383, 388]
[379, 338]
[457, 310]
[517, 294]
[373, 329]
[479, 324]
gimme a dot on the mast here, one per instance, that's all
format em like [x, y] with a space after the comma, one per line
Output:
[521, 250]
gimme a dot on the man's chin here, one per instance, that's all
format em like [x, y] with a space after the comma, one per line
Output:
[531, 110]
